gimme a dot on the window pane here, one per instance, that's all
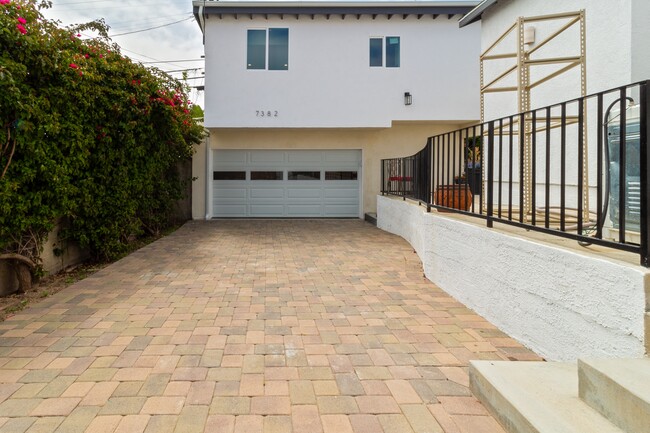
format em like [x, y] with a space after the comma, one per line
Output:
[376, 51]
[340, 175]
[266, 175]
[392, 51]
[304, 175]
[229, 175]
[256, 58]
[278, 49]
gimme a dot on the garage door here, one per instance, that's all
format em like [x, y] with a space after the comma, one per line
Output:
[276, 184]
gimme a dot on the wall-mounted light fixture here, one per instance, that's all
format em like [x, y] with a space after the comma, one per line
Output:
[529, 35]
[408, 98]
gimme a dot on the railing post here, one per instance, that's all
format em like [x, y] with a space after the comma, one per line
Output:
[382, 166]
[645, 179]
[428, 175]
[403, 180]
[490, 174]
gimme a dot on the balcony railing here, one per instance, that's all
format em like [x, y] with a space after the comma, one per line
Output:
[577, 169]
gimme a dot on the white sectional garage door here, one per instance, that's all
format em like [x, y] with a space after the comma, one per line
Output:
[286, 183]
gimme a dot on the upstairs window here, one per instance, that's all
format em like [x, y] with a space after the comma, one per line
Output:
[390, 57]
[268, 49]
[392, 51]
[376, 51]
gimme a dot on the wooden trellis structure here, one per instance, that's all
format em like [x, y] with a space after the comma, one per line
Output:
[524, 62]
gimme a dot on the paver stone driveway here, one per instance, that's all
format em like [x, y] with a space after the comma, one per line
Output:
[251, 326]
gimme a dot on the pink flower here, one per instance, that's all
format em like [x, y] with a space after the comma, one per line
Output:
[87, 56]
[73, 66]
[21, 29]
[78, 35]
[22, 20]
[5, 2]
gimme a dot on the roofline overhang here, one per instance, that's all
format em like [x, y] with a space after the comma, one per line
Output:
[203, 9]
[476, 13]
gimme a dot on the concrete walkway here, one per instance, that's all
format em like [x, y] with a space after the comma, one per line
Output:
[251, 326]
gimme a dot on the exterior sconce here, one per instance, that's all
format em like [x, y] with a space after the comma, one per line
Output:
[408, 98]
[529, 35]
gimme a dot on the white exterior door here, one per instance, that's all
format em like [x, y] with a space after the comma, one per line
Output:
[286, 183]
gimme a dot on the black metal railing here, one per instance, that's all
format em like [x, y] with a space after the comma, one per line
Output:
[577, 169]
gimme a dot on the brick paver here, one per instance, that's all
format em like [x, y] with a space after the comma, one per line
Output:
[253, 326]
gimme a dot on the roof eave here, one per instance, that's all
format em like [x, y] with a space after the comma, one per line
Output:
[332, 8]
[476, 13]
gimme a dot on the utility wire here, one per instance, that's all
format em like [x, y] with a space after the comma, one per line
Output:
[151, 28]
[172, 61]
[184, 70]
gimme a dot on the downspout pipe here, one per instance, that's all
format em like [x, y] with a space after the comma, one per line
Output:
[207, 177]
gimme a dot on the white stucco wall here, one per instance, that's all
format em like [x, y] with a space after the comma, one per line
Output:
[617, 37]
[560, 303]
[609, 48]
[640, 40]
[329, 82]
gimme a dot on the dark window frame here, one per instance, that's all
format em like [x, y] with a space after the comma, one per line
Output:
[376, 52]
[337, 175]
[291, 175]
[275, 49]
[219, 174]
[254, 173]
[385, 51]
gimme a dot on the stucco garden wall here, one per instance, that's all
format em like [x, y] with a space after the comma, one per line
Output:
[563, 304]
[56, 256]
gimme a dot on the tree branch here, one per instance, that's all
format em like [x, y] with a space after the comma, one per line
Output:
[20, 258]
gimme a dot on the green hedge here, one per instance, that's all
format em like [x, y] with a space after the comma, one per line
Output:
[87, 135]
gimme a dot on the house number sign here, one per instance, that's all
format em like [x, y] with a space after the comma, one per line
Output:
[266, 113]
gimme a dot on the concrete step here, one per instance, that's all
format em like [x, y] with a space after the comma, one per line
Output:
[619, 389]
[535, 397]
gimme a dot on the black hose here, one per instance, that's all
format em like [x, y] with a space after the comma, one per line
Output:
[601, 220]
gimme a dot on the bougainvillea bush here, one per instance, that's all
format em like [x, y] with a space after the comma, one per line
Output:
[86, 134]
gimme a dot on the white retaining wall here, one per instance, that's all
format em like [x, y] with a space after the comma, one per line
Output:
[560, 303]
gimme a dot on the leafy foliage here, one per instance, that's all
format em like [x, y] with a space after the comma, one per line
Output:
[86, 134]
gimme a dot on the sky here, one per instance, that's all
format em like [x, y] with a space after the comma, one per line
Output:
[147, 31]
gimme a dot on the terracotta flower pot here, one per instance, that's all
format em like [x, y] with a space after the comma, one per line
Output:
[453, 196]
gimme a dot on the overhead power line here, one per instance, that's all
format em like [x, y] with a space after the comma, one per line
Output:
[183, 70]
[172, 61]
[151, 28]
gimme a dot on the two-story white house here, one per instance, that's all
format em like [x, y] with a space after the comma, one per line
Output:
[303, 100]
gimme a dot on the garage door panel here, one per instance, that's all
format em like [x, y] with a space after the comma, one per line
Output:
[346, 157]
[304, 210]
[267, 193]
[305, 156]
[340, 210]
[230, 210]
[229, 158]
[342, 193]
[267, 210]
[228, 192]
[267, 157]
[304, 193]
